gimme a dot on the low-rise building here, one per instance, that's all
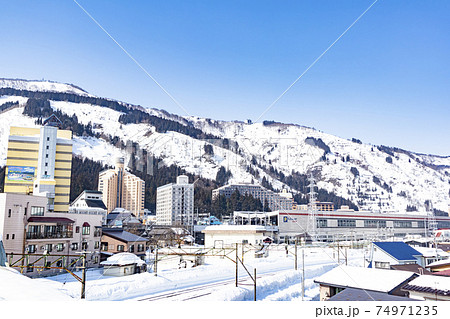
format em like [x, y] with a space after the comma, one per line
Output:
[29, 228]
[116, 240]
[229, 235]
[378, 280]
[386, 254]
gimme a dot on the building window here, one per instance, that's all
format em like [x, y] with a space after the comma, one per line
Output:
[46, 155]
[86, 229]
[131, 249]
[346, 223]
[368, 223]
[48, 138]
[402, 224]
[74, 246]
[383, 265]
[140, 247]
[77, 229]
[47, 147]
[7, 236]
[48, 248]
[84, 245]
[322, 223]
[120, 247]
[13, 236]
[46, 164]
[104, 246]
[59, 247]
[37, 211]
[96, 245]
[31, 249]
[96, 260]
[9, 212]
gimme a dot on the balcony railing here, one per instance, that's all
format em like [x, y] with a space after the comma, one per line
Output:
[49, 235]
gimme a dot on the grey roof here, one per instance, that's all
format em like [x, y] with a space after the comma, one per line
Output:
[353, 294]
[95, 203]
[122, 235]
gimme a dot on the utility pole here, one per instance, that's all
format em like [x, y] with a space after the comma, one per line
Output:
[156, 260]
[303, 273]
[254, 287]
[83, 276]
[237, 264]
[296, 254]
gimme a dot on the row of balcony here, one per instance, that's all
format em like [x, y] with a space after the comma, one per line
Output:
[49, 235]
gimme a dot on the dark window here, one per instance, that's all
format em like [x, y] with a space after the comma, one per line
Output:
[104, 246]
[31, 249]
[132, 249]
[84, 245]
[13, 235]
[77, 229]
[47, 147]
[346, 223]
[9, 212]
[120, 247]
[74, 246]
[7, 236]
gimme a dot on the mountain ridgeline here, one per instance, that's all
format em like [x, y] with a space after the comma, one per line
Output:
[214, 153]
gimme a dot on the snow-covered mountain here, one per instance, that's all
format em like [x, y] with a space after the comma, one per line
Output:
[373, 177]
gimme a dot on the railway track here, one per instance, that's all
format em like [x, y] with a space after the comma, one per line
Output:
[197, 291]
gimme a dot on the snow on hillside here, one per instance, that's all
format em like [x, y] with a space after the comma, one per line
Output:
[46, 86]
[362, 173]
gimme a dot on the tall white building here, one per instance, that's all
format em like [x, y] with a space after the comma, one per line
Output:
[175, 203]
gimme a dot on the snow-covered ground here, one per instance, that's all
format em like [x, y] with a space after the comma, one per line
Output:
[213, 281]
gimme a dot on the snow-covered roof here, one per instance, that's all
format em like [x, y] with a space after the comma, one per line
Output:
[431, 252]
[121, 259]
[438, 284]
[439, 263]
[382, 280]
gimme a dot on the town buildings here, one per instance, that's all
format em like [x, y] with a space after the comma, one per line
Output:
[34, 209]
[39, 162]
[122, 189]
[175, 203]
[275, 201]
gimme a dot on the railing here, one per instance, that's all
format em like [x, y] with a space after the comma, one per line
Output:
[48, 235]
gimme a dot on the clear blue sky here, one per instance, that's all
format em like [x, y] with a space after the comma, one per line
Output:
[387, 81]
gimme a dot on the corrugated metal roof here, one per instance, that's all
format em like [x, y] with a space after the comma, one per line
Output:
[399, 250]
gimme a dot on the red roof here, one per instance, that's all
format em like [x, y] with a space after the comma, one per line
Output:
[59, 220]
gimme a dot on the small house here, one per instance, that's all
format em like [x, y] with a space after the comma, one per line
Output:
[123, 264]
[386, 254]
[378, 280]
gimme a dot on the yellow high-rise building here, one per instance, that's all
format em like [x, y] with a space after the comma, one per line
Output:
[39, 162]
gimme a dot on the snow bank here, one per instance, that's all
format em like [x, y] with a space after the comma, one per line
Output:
[16, 287]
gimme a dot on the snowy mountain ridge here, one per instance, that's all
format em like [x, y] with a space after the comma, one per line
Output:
[375, 178]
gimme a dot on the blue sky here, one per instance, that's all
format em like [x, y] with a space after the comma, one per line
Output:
[385, 82]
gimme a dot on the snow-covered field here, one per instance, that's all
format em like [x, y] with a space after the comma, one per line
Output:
[214, 281]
